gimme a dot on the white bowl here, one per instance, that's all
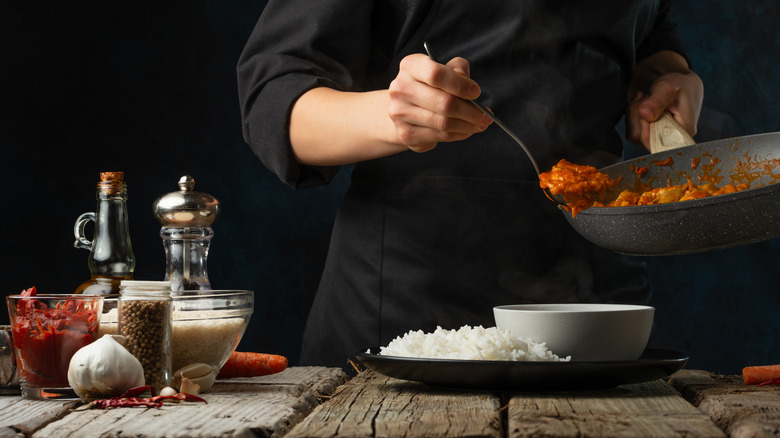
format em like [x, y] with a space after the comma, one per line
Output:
[586, 332]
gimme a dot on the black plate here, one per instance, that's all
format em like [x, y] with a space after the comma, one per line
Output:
[527, 376]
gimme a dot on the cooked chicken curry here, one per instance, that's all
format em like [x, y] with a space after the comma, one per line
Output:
[584, 186]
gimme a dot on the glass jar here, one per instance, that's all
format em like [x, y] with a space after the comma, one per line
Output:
[8, 375]
[186, 252]
[145, 322]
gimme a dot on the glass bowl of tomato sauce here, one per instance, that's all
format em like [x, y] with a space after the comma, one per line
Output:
[47, 331]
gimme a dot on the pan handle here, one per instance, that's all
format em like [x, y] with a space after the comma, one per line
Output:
[666, 133]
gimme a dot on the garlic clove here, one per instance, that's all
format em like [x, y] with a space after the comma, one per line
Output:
[188, 387]
[201, 374]
[168, 391]
[194, 370]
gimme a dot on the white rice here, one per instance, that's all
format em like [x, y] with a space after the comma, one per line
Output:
[207, 340]
[467, 343]
[196, 337]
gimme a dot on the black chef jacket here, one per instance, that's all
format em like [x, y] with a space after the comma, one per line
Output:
[439, 238]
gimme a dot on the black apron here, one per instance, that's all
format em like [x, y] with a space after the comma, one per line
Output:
[439, 238]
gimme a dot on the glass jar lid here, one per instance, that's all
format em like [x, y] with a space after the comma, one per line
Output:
[133, 286]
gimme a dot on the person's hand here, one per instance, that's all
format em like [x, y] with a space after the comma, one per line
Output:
[428, 102]
[678, 93]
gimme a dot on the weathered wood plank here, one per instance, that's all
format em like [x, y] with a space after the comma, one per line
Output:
[19, 417]
[262, 406]
[321, 381]
[739, 409]
[372, 405]
[642, 410]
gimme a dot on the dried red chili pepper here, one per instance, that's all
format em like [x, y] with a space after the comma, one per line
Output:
[117, 402]
[189, 397]
[130, 399]
[138, 390]
[178, 396]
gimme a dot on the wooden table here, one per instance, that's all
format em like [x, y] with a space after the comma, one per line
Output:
[262, 406]
[740, 410]
[375, 405]
[322, 402]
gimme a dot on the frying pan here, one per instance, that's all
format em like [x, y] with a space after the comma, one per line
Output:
[698, 225]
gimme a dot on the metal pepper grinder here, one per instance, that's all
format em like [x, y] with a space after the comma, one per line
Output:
[186, 217]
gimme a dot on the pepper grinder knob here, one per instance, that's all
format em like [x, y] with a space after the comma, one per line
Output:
[186, 208]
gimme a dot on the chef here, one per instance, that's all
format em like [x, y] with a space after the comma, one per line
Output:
[444, 218]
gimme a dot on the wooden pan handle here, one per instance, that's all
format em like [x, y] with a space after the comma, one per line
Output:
[666, 133]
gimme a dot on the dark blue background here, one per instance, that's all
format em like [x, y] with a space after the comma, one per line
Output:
[149, 88]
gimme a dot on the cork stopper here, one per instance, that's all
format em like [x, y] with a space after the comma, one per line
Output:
[112, 184]
[112, 176]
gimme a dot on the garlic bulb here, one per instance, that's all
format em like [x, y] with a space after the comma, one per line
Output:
[104, 368]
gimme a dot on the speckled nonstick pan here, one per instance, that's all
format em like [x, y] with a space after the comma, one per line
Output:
[699, 225]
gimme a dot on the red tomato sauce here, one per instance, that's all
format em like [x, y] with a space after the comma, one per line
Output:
[46, 339]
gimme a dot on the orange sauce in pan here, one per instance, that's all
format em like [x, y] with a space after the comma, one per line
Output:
[583, 186]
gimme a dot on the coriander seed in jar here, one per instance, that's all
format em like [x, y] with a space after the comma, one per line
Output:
[145, 322]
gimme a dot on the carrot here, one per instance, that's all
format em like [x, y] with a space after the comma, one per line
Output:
[245, 364]
[760, 374]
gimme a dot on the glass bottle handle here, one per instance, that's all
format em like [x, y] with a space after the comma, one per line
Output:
[78, 231]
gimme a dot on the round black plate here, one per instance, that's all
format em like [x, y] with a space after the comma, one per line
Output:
[527, 376]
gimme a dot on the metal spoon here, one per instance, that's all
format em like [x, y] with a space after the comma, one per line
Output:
[505, 128]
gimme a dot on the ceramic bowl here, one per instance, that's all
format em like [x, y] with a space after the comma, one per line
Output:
[586, 332]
